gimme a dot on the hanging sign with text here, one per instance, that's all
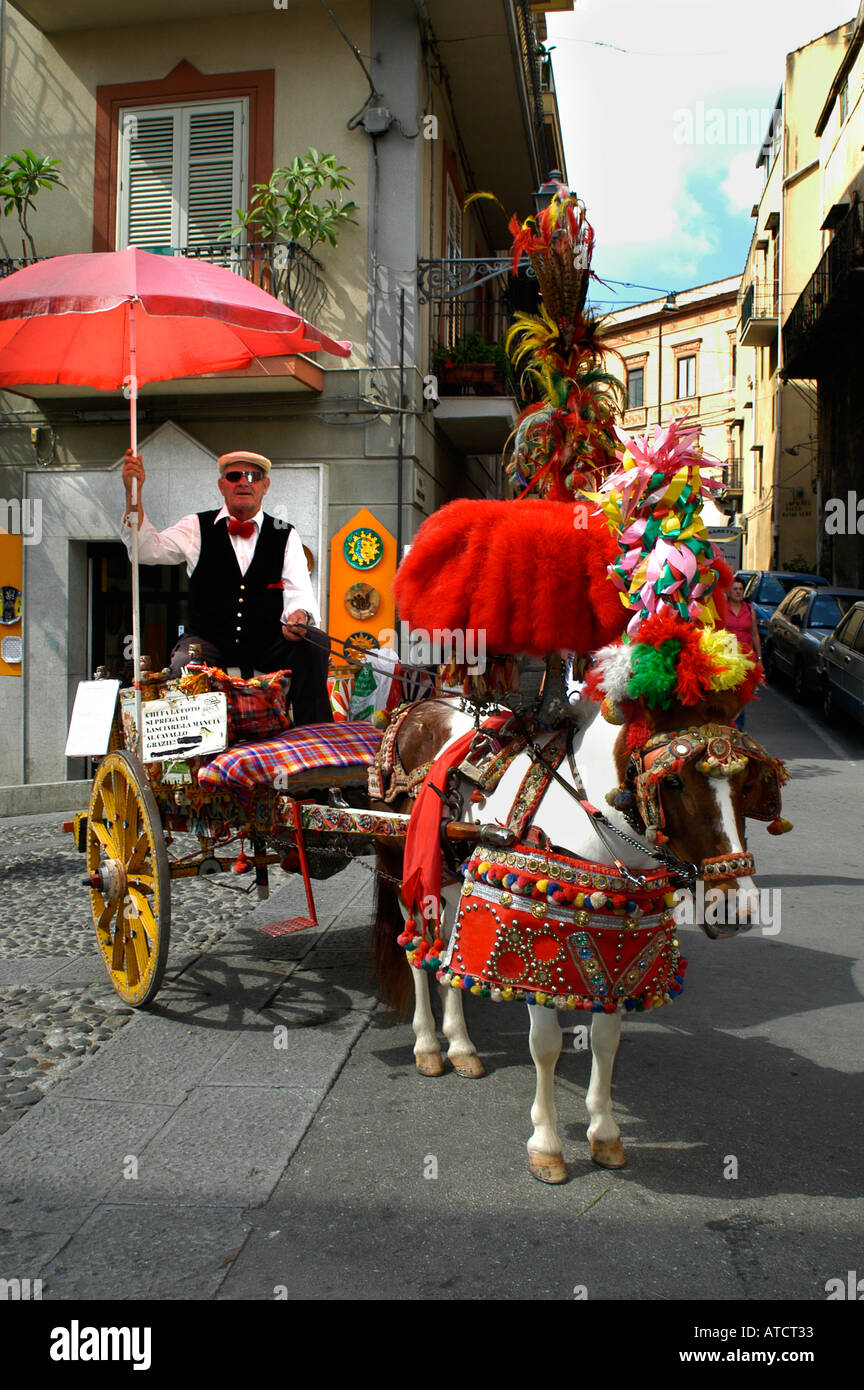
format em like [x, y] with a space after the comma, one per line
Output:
[187, 728]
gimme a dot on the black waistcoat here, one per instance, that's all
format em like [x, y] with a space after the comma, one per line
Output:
[240, 614]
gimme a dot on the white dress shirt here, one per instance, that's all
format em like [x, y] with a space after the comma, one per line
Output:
[182, 541]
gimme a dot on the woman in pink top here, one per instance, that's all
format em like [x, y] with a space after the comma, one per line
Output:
[741, 619]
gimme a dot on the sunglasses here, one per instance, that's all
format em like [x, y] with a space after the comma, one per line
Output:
[236, 475]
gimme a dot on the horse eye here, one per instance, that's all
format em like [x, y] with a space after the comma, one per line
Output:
[674, 782]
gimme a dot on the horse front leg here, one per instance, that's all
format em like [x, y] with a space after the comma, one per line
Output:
[461, 1052]
[603, 1133]
[545, 1155]
[427, 1049]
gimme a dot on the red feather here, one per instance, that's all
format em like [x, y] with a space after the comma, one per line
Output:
[520, 572]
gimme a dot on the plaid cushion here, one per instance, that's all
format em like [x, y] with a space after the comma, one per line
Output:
[256, 708]
[299, 750]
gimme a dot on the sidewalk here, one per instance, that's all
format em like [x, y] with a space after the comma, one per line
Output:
[134, 1176]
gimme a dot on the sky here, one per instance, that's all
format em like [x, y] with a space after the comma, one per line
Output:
[652, 96]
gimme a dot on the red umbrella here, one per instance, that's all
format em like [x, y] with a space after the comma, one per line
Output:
[79, 319]
[124, 318]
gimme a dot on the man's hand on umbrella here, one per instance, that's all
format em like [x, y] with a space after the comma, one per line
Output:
[133, 470]
[295, 625]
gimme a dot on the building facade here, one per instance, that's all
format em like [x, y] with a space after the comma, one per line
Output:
[164, 125]
[781, 505]
[677, 359]
[821, 334]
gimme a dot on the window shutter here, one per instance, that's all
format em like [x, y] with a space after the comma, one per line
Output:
[182, 174]
[213, 180]
[148, 197]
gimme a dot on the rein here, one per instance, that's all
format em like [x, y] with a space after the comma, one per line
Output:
[688, 873]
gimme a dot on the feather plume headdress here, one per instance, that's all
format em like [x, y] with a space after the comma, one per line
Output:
[565, 441]
[672, 659]
[654, 504]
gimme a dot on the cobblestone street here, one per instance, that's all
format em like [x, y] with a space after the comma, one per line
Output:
[57, 1006]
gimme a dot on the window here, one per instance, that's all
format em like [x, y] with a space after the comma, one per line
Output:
[182, 173]
[852, 628]
[685, 368]
[828, 609]
[635, 388]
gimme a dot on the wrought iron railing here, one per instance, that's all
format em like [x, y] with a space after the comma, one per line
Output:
[529, 47]
[285, 269]
[472, 303]
[758, 302]
[9, 264]
[844, 255]
[733, 475]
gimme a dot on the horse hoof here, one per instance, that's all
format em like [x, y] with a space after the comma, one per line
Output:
[468, 1065]
[608, 1153]
[548, 1167]
[429, 1063]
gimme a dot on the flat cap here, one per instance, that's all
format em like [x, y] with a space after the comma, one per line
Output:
[243, 456]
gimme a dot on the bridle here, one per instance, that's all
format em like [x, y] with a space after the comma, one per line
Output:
[723, 752]
[719, 751]
[687, 873]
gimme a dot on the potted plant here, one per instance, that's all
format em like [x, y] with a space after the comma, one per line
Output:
[472, 361]
[288, 208]
[289, 215]
[21, 177]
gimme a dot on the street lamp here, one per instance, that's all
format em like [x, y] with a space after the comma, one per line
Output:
[546, 192]
[668, 307]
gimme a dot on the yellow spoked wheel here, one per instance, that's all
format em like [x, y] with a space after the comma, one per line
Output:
[130, 879]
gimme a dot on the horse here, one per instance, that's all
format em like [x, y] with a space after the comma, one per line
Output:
[702, 818]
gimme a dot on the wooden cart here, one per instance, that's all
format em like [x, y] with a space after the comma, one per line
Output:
[134, 814]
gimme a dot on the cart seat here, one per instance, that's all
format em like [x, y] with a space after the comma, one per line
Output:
[309, 755]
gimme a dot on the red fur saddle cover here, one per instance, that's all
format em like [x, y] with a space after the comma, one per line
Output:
[529, 575]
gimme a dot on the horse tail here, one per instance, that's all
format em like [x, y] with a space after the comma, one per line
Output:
[392, 971]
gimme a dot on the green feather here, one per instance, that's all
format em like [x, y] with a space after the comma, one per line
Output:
[653, 673]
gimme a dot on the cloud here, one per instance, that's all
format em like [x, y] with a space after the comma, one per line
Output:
[742, 186]
[622, 119]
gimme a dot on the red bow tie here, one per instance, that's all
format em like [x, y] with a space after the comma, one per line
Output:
[241, 528]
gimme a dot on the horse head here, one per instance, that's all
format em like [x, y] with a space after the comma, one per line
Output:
[689, 778]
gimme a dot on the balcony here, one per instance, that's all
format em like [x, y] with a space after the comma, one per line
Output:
[826, 319]
[286, 270]
[471, 304]
[733, 476]
[757, 325]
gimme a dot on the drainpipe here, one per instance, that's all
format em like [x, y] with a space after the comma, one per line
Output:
[778, 388]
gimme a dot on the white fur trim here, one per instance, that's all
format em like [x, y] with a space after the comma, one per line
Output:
[615, 664]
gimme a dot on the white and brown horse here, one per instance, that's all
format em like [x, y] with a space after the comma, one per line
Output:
[702, 820]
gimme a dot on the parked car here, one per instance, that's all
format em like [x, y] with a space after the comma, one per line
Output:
[841, 667]
[796, 631]
[768, 588]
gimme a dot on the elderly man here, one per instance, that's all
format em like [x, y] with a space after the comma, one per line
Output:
[250, 599]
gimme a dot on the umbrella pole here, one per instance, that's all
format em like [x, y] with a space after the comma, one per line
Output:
[134, 519]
